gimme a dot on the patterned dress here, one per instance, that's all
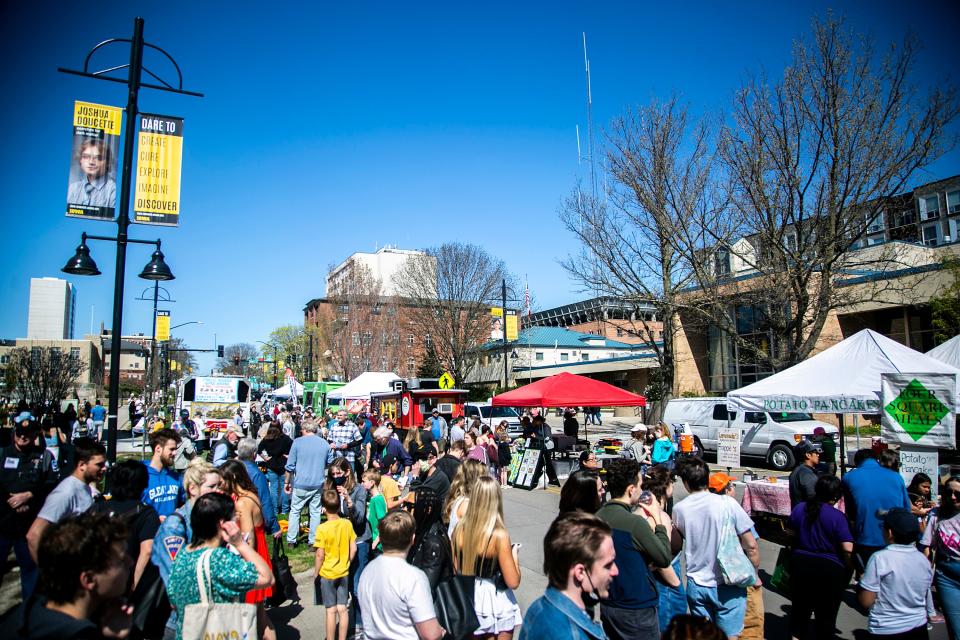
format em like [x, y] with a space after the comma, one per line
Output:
[231, 575]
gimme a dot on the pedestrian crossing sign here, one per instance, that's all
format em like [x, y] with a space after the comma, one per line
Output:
[446, 381]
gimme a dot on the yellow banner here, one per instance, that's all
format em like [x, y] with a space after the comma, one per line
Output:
[97, 117]
[159, 155]
[512, 327]
[163, 326]
[496, 312]
[92, 190]
[174, 365]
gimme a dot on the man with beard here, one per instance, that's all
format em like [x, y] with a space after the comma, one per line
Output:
[27, 476]
[74, 494]
[164, 492]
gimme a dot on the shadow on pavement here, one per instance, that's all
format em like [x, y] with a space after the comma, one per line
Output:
[282, 617]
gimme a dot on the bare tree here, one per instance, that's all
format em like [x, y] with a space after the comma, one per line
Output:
[450, 293]
[44, 375]
[660, 199]
[813, 159]
[235, 358]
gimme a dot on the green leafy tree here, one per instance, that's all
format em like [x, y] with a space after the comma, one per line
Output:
[430, 366]
[945, 308]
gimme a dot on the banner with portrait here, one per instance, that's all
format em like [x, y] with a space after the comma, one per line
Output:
[156, 193]
[92, 188]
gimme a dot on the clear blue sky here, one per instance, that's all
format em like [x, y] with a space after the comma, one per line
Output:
[329, 129]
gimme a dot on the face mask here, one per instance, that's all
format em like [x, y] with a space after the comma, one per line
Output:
[590, 598]
[339, 481]
[424, 466]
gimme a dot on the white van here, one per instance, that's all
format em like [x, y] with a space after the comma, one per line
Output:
[492, 416]
[771, 435]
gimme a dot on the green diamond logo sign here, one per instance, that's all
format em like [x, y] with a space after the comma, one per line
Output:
[916, 409]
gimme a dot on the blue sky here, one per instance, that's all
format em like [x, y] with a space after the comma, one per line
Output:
[333, 128]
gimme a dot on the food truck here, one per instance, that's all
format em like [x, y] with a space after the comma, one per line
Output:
[213, 401]
[315, 396]
[409, 406]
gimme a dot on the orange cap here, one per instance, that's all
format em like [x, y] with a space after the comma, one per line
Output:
[719, 481]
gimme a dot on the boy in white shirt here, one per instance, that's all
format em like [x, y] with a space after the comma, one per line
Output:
[896, 581]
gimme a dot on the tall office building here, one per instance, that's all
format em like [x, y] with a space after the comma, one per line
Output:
[52, 308]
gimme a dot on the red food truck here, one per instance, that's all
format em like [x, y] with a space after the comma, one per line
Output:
[409, 407]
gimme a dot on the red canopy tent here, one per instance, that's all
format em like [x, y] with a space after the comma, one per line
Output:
[568, 390]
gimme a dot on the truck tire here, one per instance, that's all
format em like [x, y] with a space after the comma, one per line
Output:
[780, 457]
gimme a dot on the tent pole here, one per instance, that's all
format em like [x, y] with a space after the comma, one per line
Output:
[843, 448]
[856, 425]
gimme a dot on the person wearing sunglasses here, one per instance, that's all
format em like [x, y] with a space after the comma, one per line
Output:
[941, 537]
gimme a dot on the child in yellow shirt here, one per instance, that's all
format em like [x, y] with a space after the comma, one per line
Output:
[336, 545]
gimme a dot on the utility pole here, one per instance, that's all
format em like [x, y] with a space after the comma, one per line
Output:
[506, 356]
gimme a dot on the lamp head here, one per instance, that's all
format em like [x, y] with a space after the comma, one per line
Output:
[157, 269]
[81, 264]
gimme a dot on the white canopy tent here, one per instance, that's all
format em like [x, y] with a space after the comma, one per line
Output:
[285, 392]
[842, 379]
[948, 352]
[363, 385]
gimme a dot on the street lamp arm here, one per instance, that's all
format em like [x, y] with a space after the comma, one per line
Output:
[183, 324]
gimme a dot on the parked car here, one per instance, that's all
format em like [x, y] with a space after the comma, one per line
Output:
[492, 416]
[770, 435]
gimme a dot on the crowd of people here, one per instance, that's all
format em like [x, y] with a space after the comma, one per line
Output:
[394, 518]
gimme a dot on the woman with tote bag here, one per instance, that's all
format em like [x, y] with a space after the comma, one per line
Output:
[208, 581]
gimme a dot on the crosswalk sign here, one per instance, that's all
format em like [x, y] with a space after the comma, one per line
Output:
[446, 381]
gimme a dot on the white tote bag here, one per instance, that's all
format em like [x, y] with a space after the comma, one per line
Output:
[211, 621]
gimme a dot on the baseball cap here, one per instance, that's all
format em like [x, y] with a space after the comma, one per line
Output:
[819, 431]
[902, 523]
[387, 461]
[27, 430]
[719, 481]
[638, 427]
[24, 415]
[805, 447]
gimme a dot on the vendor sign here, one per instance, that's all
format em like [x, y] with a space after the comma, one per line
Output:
[914, 460]
[918, 409]
[728, 448]
[213, 389]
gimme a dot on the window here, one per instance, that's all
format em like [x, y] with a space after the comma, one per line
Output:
[790, 241]
[722, 262]
[427, 340]
[929, 207]
[953, 202]
[356, 338]
[564, 356]
[410, 339]
[619, 332]
[343, 308]
[873, 240]
[903, 218]
[584, 357]
[931, 235]
[720, 413]
[74, 352]
[376, 310]
[391, 311]
[5, 359]
[875, 225]
[755, 417]
[538, 356]
[411, 365]
[367, 337]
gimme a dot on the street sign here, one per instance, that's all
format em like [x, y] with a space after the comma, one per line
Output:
[446, 381]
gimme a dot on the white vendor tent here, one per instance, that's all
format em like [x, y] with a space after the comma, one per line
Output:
[948, 352]
[284, 391]
[842, 379]
[363, 385]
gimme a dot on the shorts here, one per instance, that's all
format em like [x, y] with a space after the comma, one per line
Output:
[332, 592]
[725, 604]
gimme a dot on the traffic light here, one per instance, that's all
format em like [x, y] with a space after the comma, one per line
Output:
[219, 350]
[292, 358]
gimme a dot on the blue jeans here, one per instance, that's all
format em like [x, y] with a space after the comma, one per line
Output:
[672, 600]
[725, 604]
[28, 568]
[309, 498]
[947, 581]
[359, 564]
[281, 499]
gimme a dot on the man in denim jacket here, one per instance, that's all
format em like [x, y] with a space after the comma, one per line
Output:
[579, 562]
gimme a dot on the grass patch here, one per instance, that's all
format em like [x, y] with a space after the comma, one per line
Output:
[865, 430]
[302, 557]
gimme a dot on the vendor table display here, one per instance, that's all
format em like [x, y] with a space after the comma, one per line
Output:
[770, 495]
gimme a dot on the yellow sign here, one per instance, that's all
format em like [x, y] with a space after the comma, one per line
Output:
[97, 116]
[512, 327]
[92, 190]
[174, 365]
[156, 195]
[496, 311]
[163, 326]
[446, 381]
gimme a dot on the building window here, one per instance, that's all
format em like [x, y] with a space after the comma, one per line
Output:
[931, 235]
[411, 365]
[376, 310]
[367, 338]
[790, 241]
[564, 356]
[5, 359]
[410, 340]
[355, 338]
[427, 340]
[875, 225]
[953, 202]
[343, 308]
[74, 352]
[619, 332]
[721, 262]
[584, 356]
[929, 207]
[538, 356]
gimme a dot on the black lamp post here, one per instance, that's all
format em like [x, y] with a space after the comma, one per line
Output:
[82, 263]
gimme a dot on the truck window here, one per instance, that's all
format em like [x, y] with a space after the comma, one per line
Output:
[754, 417]
[720, 413]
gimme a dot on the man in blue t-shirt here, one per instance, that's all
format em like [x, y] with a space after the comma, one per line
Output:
[438, 426]
[164, 491]
[870, 490]
[99, 416]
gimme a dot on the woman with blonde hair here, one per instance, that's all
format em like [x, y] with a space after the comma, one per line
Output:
[482, 548]
[458, 497]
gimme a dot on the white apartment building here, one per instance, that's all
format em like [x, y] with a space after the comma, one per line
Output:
[52, 308]
[382, 265]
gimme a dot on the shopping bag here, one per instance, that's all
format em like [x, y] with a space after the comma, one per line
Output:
[781, 574]
[453, 602]
[214, 620]
[284, 584]
[735, 566]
